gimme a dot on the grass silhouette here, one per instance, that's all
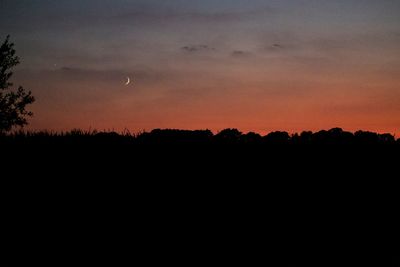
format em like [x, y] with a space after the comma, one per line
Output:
[335, 136]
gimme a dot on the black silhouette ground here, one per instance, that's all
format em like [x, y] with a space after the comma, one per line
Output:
[194, 198]
[335, 136]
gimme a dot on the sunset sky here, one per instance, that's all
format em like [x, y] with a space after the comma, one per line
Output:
[255, 65]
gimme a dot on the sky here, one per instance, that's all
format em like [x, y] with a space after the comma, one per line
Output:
[255, 65]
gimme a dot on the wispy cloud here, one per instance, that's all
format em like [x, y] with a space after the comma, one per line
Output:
[277, 47]
[197, 48]
[240, 53]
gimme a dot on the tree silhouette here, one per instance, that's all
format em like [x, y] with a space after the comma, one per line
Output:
[277, 138]
[364, 137]
[12, 103]
[228, 136]
[251, 138]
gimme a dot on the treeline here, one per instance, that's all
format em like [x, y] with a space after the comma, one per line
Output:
[335, 136]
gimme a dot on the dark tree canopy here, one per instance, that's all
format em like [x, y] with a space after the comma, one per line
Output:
[12, 102]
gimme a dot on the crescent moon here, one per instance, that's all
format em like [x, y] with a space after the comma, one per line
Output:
[129, 81]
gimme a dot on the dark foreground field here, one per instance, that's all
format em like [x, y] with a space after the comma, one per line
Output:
[193, 198]
[333, 154]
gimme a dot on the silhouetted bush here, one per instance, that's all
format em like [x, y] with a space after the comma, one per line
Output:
[251, 138]
[366, 138]
[277, 138]
[228, 136]
[387, 139]
[170, 136]
[333, 137]
[304, 138]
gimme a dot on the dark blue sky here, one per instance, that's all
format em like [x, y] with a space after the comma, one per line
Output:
[209, 64]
